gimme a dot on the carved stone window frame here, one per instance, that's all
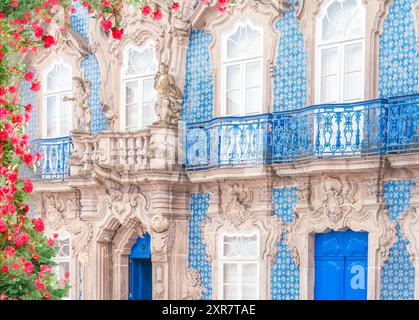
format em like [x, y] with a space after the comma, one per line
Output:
[140, 78]
[263, 16]
[69, 49]
[221, 258]
[375, 12]
[137, 33]
[371, 218]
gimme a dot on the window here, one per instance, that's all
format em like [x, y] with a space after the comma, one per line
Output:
[340, 53]
[242, 70]
[57, 109]
[139, 96]
[63, 258]
[239, 267]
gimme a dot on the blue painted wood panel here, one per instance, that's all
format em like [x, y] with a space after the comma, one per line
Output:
[140, 270]
[341, 266]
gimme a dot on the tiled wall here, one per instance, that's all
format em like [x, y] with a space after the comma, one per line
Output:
[290, 81]
[198, 91]
[80, 20]
[197, 255]
[91, 70]
[398, 273]
[398, 52]
[285, 274]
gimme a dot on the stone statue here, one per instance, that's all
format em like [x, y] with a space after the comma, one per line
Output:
[83, 113]
[111, 115]
[169, 95]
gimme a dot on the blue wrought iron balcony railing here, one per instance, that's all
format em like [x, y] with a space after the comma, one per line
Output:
[373, 127]
[54, 163]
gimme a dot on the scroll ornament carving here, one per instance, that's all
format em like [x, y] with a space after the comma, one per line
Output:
[409, 223]
[163, 233]
[192, 289]
[58, 210]
[82, 233]
[54, 208]
[338, 199]
[169, 96]
[236, 204]
[124, 204]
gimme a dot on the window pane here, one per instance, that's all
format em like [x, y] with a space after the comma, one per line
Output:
[329, 89]
[65, 113]
[249, 273]
[233, 102]
[149, 116]
[253, 101]
[253, 75]
[132, 117]
[231, 273]
[343, 19]
[245, 42]
[353, 57]
[149, 94]
[353, 86]
[64, 266]
[249, 292]
[59, 78]
[131, 92]
[141, 61]
[230, 245]
[230, 292]
[51, 116]
[233, 77]
[329, 61]
[249, 246]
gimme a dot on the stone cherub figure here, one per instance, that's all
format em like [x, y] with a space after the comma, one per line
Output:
[83, 112]
[168, 96]
[111, 115]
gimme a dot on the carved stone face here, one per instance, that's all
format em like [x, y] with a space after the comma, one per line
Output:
[163, 68]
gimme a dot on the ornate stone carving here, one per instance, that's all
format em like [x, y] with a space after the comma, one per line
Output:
[304, 191]
[236, 203]
[159, 223]
[166, 107]
[54, 208]
[163, 233]
[409, 224]
[83, 112]
[111, 115]
[82, 233]
[192, 289]
[338, 198]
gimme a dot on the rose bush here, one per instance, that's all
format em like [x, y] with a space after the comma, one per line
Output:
[26, 254]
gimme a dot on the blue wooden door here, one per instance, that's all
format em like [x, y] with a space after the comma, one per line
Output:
[341, 266]
[140, 270]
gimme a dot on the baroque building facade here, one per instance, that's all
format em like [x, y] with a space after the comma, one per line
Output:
[270, 152]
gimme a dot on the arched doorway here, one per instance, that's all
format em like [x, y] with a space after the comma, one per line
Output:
[140, 270]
